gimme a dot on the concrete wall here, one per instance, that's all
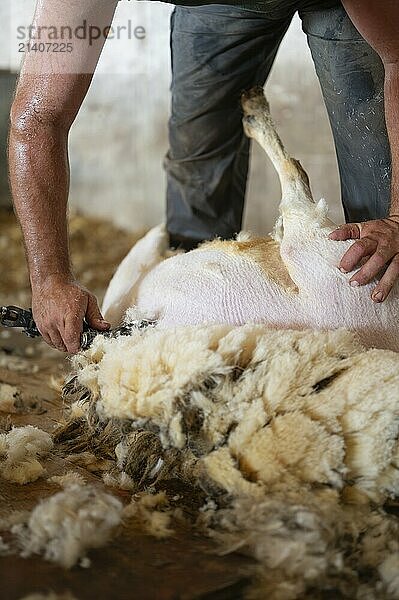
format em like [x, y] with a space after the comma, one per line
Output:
[119, 140]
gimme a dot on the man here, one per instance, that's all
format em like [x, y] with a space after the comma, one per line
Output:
[217, 51]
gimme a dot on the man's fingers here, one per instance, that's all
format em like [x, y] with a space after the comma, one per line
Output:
[49, 335]
[369, 270]
[46, 338]
[349, 231]
[56, 339]
[387, 281]
[356, 253]
[73, 328]
[375, 251]
[373, 266]
[94, 316]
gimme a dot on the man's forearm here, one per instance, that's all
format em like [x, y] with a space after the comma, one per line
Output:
[49, 94]
[392, 119]
[39, 174]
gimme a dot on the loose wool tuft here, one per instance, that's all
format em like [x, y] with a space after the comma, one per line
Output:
[9, 397]
[67, 479]
[20, 450]
[65, 526]
[152, 513]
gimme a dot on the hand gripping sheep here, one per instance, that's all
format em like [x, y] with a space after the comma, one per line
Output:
[290, 280]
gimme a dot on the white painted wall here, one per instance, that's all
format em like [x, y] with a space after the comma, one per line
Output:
[120, 137]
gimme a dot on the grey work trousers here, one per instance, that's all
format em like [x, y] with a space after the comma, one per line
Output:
[217, 52]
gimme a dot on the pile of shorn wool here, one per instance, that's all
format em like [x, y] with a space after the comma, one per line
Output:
[293, 435]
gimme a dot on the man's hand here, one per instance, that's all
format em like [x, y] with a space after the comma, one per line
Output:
[377, 248]
[59, 306]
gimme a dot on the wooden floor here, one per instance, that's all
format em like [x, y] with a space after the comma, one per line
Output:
[133, 565]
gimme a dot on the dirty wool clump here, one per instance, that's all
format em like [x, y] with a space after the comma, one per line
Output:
[310, 544]
[65, 526]
[20, 451]
[293, 433]
[152, 513]
[10, 396]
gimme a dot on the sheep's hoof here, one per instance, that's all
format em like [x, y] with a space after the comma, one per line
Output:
[254, 103]
[256, 110]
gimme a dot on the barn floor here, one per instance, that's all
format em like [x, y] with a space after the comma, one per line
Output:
[133, 565]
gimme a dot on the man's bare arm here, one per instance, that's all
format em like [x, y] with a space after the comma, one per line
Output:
[378, 23]
[49, 94]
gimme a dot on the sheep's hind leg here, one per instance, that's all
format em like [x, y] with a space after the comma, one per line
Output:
[302, 230]
[297, 204]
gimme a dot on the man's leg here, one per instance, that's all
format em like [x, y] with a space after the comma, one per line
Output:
[217, 52]
[352, 80]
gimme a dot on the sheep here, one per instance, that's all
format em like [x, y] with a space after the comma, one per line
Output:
[289, 280]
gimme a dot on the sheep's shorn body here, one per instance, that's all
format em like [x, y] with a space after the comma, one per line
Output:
[290, 282]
